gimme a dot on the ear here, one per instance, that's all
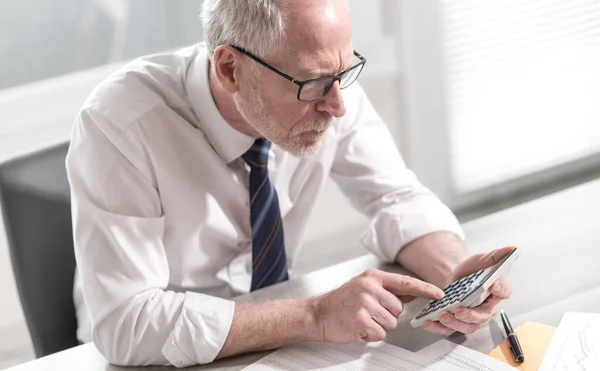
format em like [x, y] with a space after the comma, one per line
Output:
[227, 67]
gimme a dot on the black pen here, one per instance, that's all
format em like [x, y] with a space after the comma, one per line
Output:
[515, 347]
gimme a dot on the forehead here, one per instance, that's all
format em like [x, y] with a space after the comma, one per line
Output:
[319, 34]
[319, 24]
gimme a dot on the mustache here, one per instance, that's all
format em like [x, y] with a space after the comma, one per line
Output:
[316, 125]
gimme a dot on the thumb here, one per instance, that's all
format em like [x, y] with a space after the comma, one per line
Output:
[482, 261]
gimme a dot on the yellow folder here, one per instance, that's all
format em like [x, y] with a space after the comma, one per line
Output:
[534, 339]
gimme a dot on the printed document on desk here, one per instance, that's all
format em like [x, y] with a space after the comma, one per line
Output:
[447, 353]
[356, 357]
[575, 345]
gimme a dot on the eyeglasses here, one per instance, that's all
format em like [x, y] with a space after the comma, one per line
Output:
[315, 89]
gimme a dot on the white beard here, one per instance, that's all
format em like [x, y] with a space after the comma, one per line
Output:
[252, 110]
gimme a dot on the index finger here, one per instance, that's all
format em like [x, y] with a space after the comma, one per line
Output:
[401, 285]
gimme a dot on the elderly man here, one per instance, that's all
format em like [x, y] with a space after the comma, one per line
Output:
[193, 176]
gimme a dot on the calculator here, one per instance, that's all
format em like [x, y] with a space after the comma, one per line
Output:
[469, 291]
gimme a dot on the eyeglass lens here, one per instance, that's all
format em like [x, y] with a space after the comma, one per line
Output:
[318, 89]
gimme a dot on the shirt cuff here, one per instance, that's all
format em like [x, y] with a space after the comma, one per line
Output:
[396, 226]
[200, 330]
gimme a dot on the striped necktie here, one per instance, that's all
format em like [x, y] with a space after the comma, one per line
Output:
[269, 264]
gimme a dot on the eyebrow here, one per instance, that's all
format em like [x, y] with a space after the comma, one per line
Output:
[326, 73]
[322, 72]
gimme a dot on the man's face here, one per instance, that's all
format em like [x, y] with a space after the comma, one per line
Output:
[318, 44]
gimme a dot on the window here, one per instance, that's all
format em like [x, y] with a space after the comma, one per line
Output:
[523, 86]
[501, 96]
[43, 39]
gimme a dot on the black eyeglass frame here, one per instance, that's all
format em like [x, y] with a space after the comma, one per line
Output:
[301, 83]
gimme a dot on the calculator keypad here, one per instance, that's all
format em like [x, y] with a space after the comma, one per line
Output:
[456, 291]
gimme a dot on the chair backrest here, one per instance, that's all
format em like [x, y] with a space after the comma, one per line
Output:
[34, 195]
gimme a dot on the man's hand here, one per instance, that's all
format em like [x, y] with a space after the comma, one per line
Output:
[368, 306]
[467, 320]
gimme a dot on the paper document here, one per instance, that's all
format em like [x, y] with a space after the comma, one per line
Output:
[575, 345]
[447, 354]
[356, 357]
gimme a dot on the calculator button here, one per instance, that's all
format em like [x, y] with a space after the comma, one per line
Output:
[449, 288]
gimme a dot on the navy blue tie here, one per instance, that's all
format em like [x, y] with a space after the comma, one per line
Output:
[269, 265]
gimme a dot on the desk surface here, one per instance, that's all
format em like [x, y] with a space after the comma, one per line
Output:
[557, 271]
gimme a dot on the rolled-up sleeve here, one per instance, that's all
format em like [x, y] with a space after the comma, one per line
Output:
[370, 171]
[118, 229]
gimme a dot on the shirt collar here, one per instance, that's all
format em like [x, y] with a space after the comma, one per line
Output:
[228, 142]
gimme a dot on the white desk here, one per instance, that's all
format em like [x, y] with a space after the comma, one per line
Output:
[558, 271]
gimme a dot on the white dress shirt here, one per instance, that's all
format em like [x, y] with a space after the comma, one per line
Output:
[160, 206]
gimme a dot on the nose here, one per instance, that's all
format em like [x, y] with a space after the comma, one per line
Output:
[333, 102]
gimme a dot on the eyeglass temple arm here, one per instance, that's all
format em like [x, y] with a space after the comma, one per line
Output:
[264, 64]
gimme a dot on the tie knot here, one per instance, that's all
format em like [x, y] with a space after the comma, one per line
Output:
[258, 154]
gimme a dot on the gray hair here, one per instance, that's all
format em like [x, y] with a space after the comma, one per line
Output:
[258, 26]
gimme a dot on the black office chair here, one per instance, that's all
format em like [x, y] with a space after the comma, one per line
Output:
[34, 195]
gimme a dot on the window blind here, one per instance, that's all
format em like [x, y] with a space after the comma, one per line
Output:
[522, 82]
